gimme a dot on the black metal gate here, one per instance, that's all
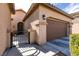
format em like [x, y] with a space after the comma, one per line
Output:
[19, 39]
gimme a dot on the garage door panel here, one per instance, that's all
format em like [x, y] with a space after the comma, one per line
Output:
[56, 29]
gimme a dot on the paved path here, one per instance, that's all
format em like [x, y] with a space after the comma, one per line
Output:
[48, 49]
[28, 50]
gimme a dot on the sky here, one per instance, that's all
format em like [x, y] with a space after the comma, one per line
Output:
[67, 7]
[25, 5]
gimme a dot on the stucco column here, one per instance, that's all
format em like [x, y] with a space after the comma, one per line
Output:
[42, 32]
[32, 36]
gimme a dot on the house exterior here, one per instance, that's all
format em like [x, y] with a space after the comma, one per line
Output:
[5, 29]
[75, 23]
[46, 22]
[18, 17]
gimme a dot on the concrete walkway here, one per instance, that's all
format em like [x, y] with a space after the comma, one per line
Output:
[28, 50]
[58, 47]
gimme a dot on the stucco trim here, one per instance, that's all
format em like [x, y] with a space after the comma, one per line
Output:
[51, 18]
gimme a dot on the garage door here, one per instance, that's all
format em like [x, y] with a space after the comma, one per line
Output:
[56, 29]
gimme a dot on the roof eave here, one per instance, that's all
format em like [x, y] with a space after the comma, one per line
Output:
[59, 10]
[30, 10]
[45, 4]
[11, 7]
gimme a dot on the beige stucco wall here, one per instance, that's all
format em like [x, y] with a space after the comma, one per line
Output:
[31, 22]
[4, 27]
[52, 13]
[17, 17]
[42, 32]
[75, 25]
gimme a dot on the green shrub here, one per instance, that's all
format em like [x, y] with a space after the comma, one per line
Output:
[74, 44]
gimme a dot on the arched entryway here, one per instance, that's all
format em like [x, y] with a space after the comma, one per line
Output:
[20, 28]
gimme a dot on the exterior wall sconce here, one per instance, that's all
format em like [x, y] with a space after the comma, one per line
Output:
[43, 16]
[43, 22]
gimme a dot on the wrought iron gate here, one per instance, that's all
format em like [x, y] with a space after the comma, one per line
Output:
[19, 39]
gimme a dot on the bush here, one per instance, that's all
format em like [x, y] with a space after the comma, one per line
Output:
[74, 44]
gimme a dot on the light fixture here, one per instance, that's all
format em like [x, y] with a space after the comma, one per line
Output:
[43, 16]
